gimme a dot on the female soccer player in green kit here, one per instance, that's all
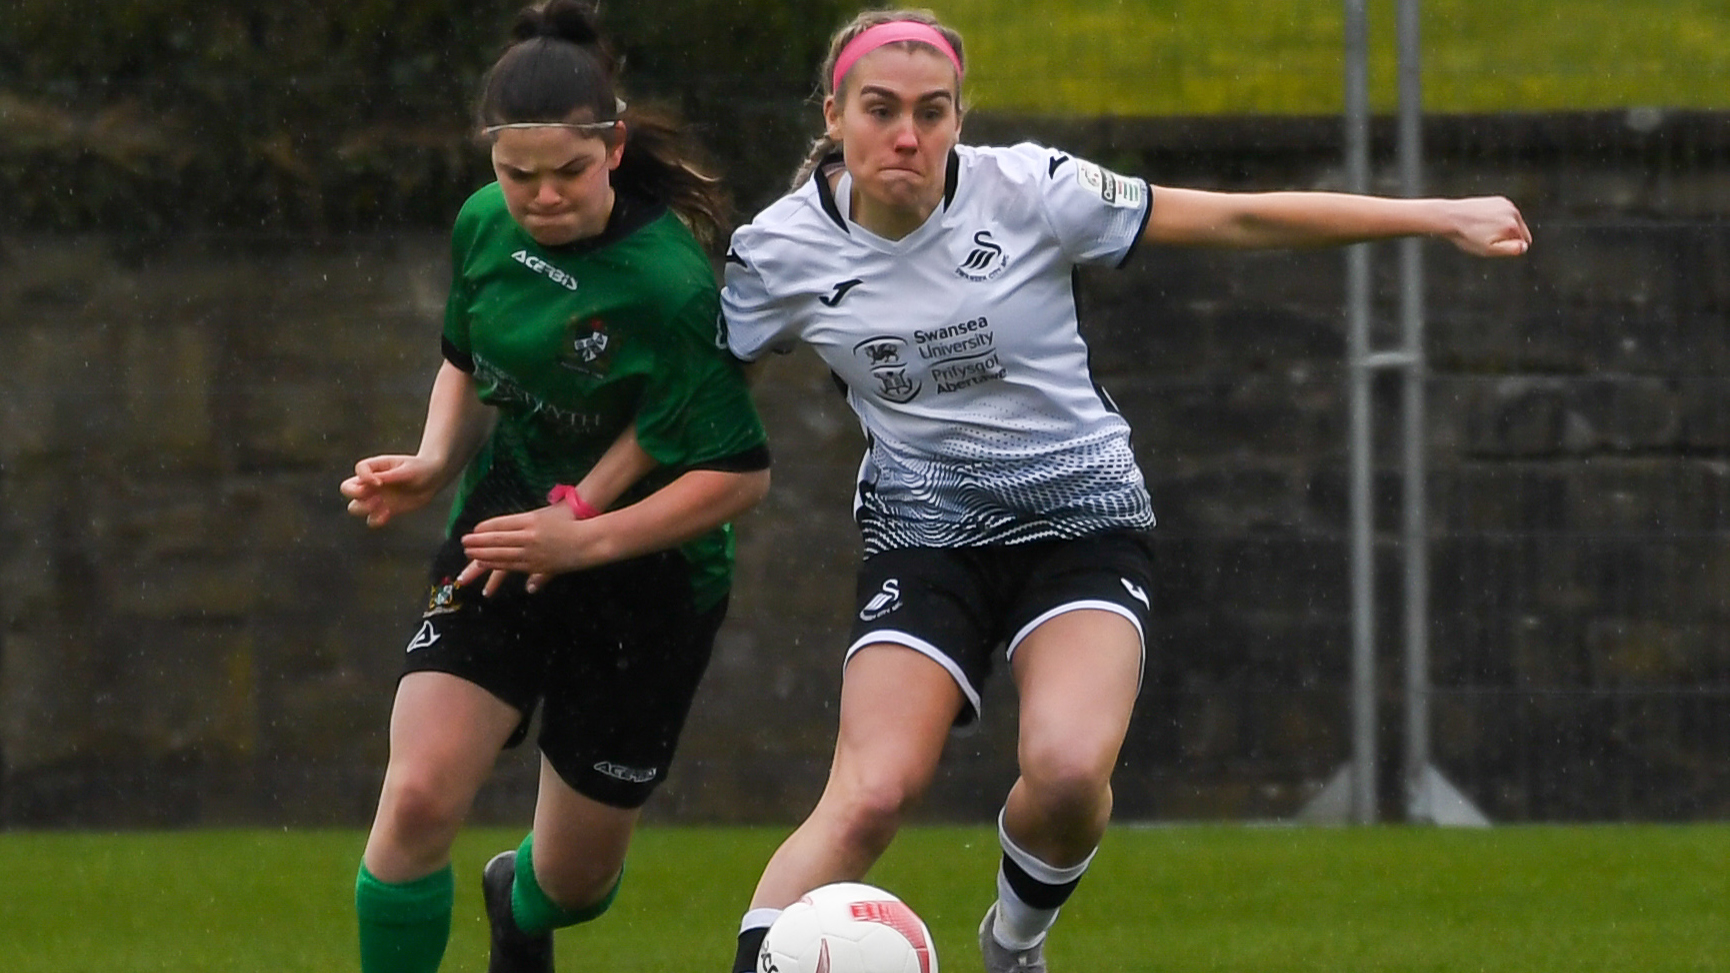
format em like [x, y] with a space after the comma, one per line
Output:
[581, 316]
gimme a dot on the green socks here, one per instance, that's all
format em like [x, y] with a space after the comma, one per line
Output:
[534, 912]
[403, 927]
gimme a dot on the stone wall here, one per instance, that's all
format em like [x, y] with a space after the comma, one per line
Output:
[195, 632]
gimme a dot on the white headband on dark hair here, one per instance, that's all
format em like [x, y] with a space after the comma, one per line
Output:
[580, 126]
[618, 109]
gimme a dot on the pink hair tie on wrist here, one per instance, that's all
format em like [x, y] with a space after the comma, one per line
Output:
[569, 496]
[872, 38]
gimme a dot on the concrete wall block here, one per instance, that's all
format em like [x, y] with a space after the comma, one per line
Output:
[1649, 494]
[185, 589]
[1703, 420]
[1493, 496]
[1644, 652]
[1541, 415]
[289, 422]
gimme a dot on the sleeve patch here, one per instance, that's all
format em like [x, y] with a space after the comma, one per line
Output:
[1114, 189]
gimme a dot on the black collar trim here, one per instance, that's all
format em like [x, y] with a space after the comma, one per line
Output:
[631, 213]
[826, 192]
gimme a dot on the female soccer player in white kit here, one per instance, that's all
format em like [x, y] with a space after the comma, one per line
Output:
[1000, 504]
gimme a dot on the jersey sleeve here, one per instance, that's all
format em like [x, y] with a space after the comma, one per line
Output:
[456, 342]
[696, 408]
[1097, 214]
[752, 321]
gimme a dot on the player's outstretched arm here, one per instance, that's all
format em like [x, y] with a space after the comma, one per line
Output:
[391, 484]
[550, 541]
[1484, 226]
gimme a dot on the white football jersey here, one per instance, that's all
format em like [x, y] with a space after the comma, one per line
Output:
[958, 345]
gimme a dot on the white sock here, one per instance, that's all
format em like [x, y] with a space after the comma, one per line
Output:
[1020, 925]
[759, 919]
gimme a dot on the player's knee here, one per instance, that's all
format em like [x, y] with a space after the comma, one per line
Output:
[419, 813]
[1067, 782]
[871, 812]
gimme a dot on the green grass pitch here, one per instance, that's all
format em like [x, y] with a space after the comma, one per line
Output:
[1529, 899]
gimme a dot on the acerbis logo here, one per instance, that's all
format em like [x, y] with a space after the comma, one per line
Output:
[630, 775]
[985, 260]
[886, 600]
[423, 638]
[545, 269]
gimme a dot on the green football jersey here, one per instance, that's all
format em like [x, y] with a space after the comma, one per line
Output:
[572, 344]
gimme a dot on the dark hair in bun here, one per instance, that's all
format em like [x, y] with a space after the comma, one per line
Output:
[558, 68]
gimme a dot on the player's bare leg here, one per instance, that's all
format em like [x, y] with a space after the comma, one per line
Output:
[566, 873]
[1078, 675]
[445, 735]
[896, 710]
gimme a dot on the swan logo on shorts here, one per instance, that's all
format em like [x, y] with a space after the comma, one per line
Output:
[886, 600]
[630, 775]
[1137, 592]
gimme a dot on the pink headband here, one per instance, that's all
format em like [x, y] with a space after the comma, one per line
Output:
[872, 38]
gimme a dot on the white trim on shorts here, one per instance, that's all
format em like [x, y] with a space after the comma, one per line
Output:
[924, 648]
[1086, 603]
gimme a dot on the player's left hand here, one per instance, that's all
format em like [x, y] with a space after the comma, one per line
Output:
[1488, 226]
[539, 543]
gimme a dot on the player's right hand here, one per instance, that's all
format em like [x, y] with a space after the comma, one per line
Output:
[384, 486]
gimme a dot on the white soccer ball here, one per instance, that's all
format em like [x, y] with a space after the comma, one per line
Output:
[848, 928]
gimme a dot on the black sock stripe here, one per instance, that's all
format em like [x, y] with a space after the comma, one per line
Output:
[750, 944]
[1032, 891]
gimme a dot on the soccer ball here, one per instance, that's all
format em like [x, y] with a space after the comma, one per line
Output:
[848, 928]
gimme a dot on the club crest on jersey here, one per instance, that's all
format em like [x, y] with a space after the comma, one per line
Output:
[586, 347]
[885, 355]
[984, 261]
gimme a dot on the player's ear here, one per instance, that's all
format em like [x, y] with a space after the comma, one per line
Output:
[616, 144]
[832, 118]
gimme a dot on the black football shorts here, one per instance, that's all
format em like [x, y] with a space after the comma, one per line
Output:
[612, 655]
[960, 606]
